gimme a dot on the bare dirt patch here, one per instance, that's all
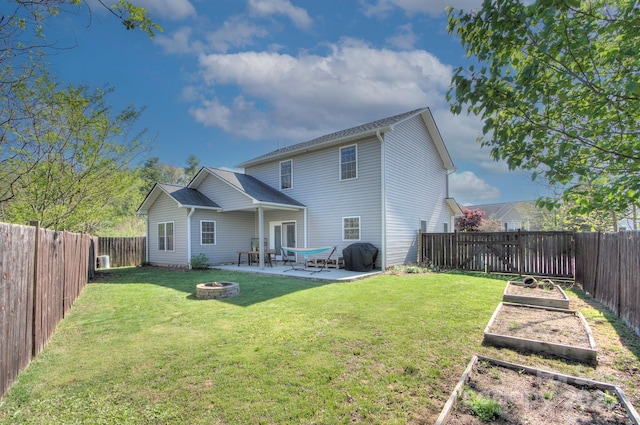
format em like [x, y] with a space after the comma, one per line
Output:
[539, 291]
[539, 324]
[534, 399]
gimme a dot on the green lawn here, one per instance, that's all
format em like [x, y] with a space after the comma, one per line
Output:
[139, 348]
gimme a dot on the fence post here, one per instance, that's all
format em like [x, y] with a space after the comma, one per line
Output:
[520, 253]
[34, 286]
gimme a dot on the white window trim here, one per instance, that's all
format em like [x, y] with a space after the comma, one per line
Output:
[215, 232]
[426, 225]
[340, 162]
[280, 174]
[173, 227]
[359, 228]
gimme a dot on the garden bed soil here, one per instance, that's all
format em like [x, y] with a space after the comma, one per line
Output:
[558, 332]
[533, 396]
[553, 296]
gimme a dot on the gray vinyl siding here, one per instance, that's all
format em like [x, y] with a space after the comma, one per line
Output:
[224, 195]
[233, 233]
[166, 209]
[415, 186]
[317, 184]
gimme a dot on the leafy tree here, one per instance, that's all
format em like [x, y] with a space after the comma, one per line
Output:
[150, 173]
[192, 168]
[470, 221]
[75, 158]
[490, 225]
[23, 50]
[558, 87]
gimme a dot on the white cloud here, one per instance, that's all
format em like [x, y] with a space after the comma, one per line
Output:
[169, 9]
[405, 39]
[309, 95]
[460, 133]
[264, 8]
[468, 189]
[430, 7]
[179, 42]
[235, 32]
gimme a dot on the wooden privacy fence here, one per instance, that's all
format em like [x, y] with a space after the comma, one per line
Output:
[608, 269]
[42, 272]
[534, 253]
[123, 252]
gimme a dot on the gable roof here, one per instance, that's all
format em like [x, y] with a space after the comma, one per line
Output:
[379, 126]
[499, 210]
[185, 197]
[260, 192]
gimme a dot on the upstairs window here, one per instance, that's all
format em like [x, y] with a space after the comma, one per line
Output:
[286, 174]
[348, 162]
[351, 229]
[165, 236]
[207, 232]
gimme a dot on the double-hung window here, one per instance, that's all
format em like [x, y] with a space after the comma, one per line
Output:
[348, 162]
[351, 228]
[286, 174]
[165, 236]
[207, 232]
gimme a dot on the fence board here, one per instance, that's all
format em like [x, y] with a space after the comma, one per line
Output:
[16, 300]
[42, 272]
[123, 252]
[608, 269]
[537, 253]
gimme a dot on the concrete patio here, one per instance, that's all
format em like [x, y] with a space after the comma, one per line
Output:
[333, 275]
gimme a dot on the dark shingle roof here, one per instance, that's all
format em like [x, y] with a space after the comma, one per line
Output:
[254, 188]
[338, 135]
[188, 197]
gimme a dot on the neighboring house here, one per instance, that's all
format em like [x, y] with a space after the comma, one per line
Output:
[380, 183]
[512, 216]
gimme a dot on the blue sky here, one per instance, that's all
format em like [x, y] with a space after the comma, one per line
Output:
[228, 80]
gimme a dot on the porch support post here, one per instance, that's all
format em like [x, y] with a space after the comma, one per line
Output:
[189, 236]
[305, 224]
[261, 236]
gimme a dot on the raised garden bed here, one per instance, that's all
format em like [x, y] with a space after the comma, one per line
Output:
[525, 395]
[558, 332]
[545, 296]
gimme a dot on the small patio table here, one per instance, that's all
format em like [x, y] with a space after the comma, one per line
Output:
[251, 254]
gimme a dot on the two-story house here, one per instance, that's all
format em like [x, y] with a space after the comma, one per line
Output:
[379, 182]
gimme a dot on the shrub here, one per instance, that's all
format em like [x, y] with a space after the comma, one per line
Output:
[199, 261]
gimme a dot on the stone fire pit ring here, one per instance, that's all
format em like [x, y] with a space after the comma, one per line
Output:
[216, 290]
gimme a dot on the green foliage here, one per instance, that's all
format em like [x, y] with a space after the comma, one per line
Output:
[484, 408]
[199, 262]
[73, 155]
[133, 17]
[192, 167]
[558, 89]
[56, 143]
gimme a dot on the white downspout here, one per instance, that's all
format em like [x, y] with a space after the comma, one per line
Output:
[146, 259]
[189, 236]
[383, 200]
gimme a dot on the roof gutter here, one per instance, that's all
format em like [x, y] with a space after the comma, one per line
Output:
[282, 153]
